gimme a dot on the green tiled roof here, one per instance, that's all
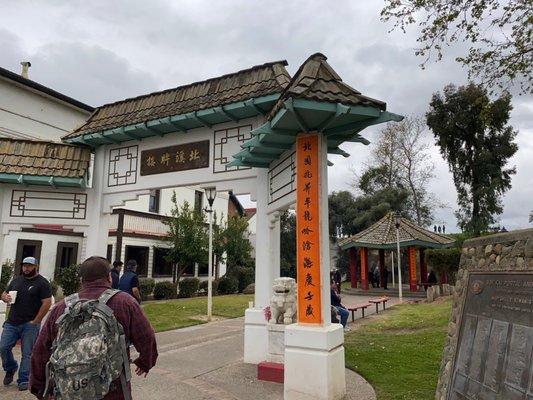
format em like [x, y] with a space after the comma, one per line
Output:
[382, 235]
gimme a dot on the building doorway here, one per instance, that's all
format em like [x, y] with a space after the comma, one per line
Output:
[27, 248]
[139, 254]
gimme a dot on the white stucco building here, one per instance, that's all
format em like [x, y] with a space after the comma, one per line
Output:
[32, 117]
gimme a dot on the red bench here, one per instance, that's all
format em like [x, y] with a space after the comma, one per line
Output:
[361, 307]
[378, 300]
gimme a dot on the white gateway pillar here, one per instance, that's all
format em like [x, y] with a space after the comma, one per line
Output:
[314, 351]
[98, 229]
[255, 323]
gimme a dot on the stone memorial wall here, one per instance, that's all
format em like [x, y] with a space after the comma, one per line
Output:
[488, 350]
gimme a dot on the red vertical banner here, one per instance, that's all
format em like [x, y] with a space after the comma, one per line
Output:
[353, 266]
[364, 268]
[412, 269]
[308, 229]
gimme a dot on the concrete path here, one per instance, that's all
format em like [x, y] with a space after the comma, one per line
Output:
[205, 362]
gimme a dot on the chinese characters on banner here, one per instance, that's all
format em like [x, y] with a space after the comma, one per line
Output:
[412, 268]
[364, 268]
[175, 158]
[308, 229]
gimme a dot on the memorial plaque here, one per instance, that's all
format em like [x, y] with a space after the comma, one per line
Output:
[494, 359]
[175, 158]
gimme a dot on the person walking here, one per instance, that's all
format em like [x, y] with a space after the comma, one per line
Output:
[115, 273]
[133, 327]
[30, 296]
[129, 281]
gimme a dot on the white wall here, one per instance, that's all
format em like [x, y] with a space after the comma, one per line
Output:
[220, 205]
[29, 114]
[47, 259]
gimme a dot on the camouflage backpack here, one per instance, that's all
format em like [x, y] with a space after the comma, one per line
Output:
[89, 351]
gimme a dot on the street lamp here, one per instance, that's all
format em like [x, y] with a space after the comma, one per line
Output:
[398, 221]
[210, 193]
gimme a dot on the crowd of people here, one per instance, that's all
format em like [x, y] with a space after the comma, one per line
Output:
[62, 346]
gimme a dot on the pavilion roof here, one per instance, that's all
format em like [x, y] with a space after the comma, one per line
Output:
[382, 235]
[316, 99]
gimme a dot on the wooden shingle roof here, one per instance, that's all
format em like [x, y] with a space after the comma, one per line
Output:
[261, 80]
[38, 158]
[317, 80]
[382, 235]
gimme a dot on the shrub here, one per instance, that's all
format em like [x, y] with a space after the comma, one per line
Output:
[54, 286]
[243, 275]
[188, 287]
[164, 290]
[69, 279]
[203, 286]
[227, 285]
[7, 272]
[444, 261]
[146, 286]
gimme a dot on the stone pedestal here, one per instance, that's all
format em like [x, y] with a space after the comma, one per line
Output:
[276, 343]
[255, 336]
[314, 362]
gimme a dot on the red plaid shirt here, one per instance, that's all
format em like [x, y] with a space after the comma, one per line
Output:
[136, 327]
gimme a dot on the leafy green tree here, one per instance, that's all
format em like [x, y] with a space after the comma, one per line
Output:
[288, 244]
[188, 237]
[498, 33]
[473, 136]
[237, 245]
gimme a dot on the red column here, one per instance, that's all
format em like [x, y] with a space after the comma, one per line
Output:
[364, 267]
[352, 251]
[443, 278]
[423, 266]
[412, 269]
[382, 267]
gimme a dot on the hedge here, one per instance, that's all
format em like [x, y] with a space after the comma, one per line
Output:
[164, 290]
[227, 285]
[7, 272]
[146, 286]
[444, 261]
[188, 287]
[69, 279]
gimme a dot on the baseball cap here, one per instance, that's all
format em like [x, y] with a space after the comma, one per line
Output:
[30, 260]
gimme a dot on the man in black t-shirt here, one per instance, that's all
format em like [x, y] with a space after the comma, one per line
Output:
[32, 302]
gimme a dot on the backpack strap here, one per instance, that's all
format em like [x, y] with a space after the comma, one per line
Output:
[125, 375]
[107, 295]
[72, 299]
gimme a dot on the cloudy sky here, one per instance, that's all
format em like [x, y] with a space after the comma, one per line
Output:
[102, 51]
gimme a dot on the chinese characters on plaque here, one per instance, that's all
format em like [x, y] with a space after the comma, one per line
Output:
[175, 158]
[308, 230]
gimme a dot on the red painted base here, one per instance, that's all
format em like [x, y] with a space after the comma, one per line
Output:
[413, 287]
[269, 371]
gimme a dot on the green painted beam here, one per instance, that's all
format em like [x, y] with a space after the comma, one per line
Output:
[338, 151]
[41, 180]
[289, 105]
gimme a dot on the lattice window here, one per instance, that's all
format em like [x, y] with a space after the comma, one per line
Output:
[227, 143]
[123, 166]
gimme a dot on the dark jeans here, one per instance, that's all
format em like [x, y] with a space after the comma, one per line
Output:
[27, 333]
[344, 313]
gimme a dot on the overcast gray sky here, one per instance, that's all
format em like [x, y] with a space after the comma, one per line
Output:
[103, 51]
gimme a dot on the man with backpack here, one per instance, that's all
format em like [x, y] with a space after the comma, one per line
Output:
[82, 351]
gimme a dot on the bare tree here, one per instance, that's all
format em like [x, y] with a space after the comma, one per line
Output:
[400, 160]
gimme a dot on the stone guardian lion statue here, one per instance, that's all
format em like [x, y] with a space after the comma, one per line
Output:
[283, 302]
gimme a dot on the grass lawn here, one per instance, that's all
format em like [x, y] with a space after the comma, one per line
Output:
[400, 353]
[173, 314]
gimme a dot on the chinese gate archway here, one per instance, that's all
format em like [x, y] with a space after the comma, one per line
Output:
[268, 123]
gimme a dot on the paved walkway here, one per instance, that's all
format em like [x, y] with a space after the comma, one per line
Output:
[205, 362]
